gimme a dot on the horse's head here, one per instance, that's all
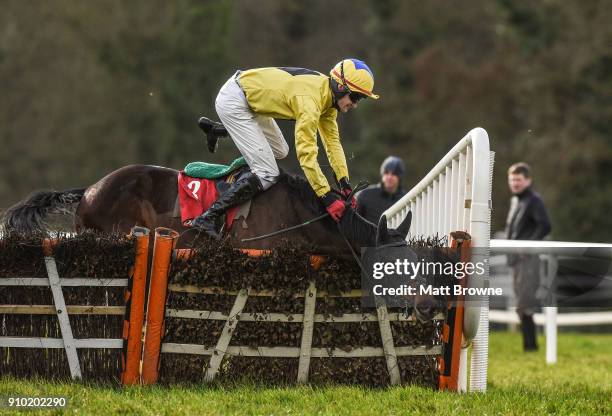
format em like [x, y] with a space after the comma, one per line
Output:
[390, 247]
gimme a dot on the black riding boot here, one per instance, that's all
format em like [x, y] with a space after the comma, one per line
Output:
[213, 131]
[529, 333]
[239, 192]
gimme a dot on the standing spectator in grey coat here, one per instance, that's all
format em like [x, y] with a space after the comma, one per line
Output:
[376, 199]
[527, 220]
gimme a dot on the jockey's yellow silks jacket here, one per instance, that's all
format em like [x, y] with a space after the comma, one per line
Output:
[306, 97]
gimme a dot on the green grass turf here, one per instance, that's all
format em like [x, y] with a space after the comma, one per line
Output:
[580, 384]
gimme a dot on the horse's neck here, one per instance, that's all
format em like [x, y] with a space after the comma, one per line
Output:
[357, 230]
[291, 207]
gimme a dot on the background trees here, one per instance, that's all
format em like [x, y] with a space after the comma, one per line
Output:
[88, 87]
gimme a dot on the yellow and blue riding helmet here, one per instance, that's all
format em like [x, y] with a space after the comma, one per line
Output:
[352, 76]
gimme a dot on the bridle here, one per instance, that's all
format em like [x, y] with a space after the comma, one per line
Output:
[402, 243]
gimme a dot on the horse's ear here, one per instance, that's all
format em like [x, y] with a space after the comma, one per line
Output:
[381, 232]
[405, 225]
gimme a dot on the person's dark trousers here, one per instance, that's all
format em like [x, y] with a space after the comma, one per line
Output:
[528, 329]
[526, 280]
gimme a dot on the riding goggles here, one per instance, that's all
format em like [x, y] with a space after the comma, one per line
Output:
[356, 96]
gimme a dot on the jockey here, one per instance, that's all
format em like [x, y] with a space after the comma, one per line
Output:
[247, 105]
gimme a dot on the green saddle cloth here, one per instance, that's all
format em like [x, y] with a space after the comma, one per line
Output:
[212, 170]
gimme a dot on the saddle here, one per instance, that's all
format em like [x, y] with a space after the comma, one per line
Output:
[213, 131]
[207, 170]
[200, 184]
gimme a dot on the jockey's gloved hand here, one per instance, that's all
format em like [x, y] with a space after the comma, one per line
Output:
[346, 189]
[333, 205]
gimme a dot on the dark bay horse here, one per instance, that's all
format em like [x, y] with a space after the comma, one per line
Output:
[146, 196]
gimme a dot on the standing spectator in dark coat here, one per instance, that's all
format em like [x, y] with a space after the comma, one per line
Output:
[527, 220]
[376, 199]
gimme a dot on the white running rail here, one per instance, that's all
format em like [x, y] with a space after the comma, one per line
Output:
[456, 196]
[549, 251]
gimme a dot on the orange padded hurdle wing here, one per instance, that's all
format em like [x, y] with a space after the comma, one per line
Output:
[135, 298]
[452, 332]
[165, 241]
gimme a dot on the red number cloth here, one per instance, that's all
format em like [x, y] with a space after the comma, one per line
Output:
[196, 195]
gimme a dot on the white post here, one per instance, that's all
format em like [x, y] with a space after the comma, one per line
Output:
[551, 334]
[216, 359]
[551, 312]
[64, 319]
[462, 383]
[310, 300]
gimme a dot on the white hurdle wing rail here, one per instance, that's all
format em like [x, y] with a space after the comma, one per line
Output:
[456, 196]
[129, 341]
[67, 341]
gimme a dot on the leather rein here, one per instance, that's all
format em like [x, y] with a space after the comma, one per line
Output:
[360, 186]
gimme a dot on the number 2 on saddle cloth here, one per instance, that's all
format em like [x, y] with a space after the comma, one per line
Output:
[196, 195]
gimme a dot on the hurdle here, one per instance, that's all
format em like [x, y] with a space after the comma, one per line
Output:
[155, 346]
[456, 196]
[132, 310]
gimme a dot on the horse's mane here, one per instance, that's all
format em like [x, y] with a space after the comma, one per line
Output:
[299, 187]
[352, 225]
